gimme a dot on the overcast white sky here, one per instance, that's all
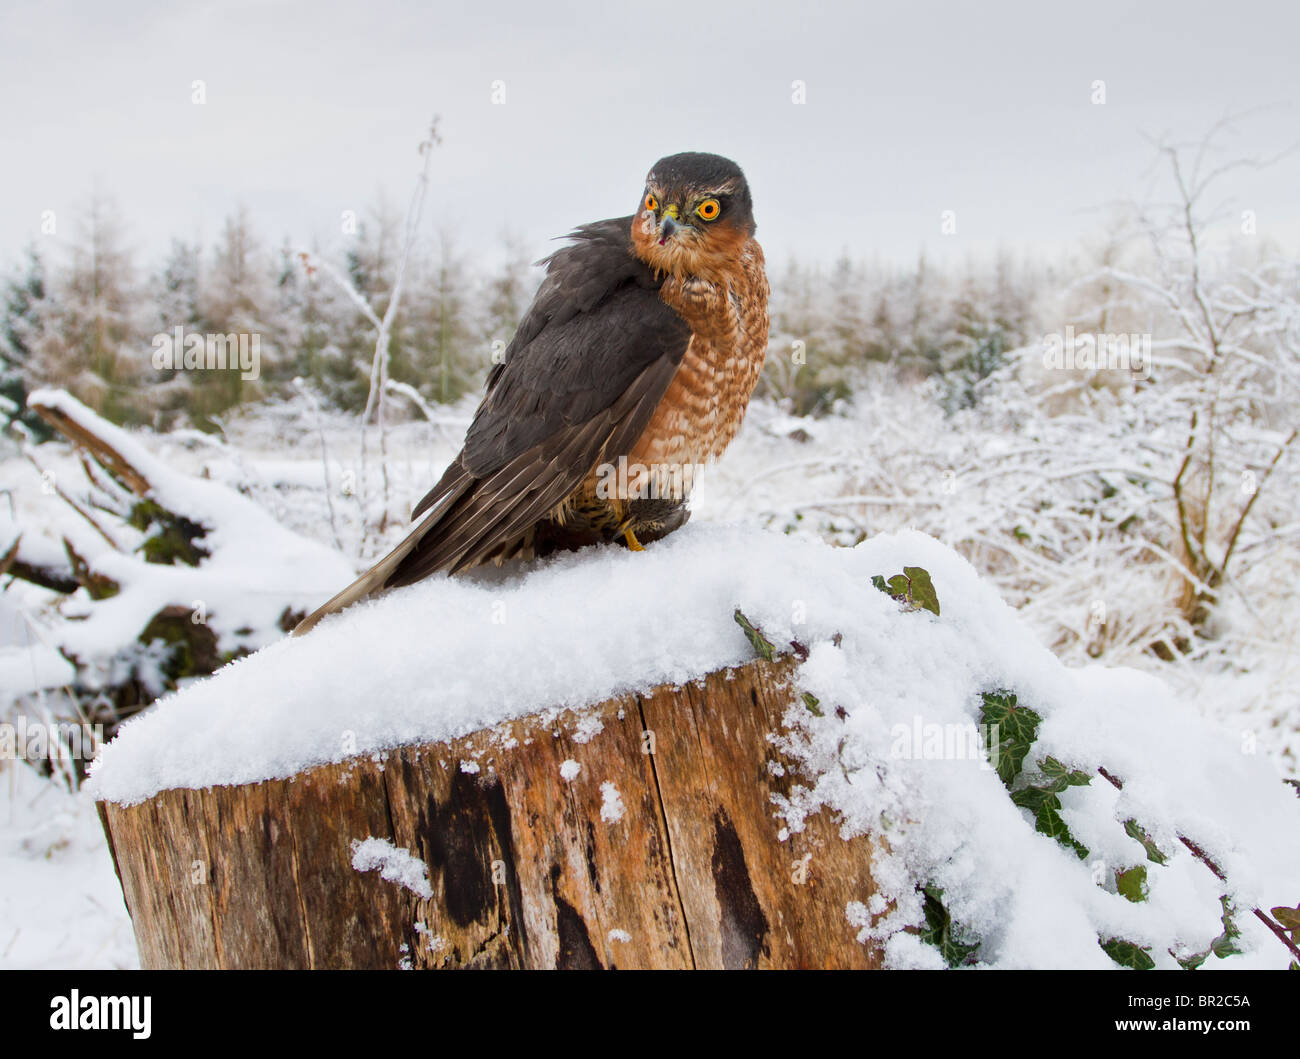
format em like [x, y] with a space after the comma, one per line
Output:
[912, 109]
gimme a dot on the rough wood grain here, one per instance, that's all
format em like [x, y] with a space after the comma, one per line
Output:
[527, 869]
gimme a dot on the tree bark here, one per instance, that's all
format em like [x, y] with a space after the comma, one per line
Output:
[527, 869]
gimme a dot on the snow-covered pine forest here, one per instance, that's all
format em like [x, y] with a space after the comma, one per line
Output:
[1108, 437]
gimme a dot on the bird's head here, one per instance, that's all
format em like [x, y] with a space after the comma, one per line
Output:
[695, 215]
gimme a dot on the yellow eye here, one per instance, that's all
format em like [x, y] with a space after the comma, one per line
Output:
[651, 203]
[709, 209]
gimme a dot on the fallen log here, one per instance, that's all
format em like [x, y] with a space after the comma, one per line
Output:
[59, 579]
[86, 439]
[648, 844]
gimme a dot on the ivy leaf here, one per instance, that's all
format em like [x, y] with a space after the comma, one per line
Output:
[940, 931]
[923, 593]
[1223, 946]
[1061, 777]
[1134, 831]
[1132, 883]
[1127, 954]
[1009, 730]
[1288, 918]
[761, 644]
[813, 703]
[1046, 807]
[1226, 943]
[913, 588]
[1041, 800]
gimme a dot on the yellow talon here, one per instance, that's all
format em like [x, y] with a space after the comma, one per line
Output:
[633, 544]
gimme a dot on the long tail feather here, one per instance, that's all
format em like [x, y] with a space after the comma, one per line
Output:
[377, 576]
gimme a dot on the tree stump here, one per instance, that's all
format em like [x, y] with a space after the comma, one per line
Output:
[527, 867]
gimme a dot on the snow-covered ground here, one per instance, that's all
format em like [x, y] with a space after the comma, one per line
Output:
[60, 904]
[891, 463]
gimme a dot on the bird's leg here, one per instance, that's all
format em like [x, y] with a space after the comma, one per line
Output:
[623, 526]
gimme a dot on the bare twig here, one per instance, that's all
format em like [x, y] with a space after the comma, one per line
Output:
[1259, 488]
[375, 403]
[69, 501]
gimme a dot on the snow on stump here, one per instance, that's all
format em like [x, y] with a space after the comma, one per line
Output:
[557, 850]
[735, 749]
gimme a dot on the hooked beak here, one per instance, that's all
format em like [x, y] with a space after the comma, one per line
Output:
[669, 224]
